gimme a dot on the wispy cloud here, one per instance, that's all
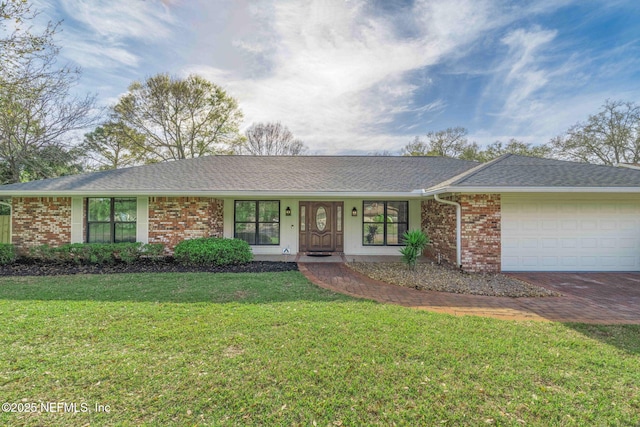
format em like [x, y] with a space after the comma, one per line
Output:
[105, 35]
[524, 74]
[120, 19]
[360, 75]
[340, 72]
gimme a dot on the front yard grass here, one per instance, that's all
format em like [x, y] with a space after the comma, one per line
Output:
[273, 349]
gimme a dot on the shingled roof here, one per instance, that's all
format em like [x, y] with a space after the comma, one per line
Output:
[353, 175]
[512, 171]
[266, 174]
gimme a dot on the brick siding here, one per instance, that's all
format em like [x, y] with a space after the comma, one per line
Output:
[480, 235]
[173, 219]
[41, 220]
[439, 223]
[481, 218]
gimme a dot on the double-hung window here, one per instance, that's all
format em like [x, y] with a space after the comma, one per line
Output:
[257, 222]
[384, 222]
[111, 219]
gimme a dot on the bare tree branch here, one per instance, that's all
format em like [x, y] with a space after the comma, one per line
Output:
[611, 136]
[271, 139]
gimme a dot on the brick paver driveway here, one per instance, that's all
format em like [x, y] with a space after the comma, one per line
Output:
[605, 298]
[616, 293]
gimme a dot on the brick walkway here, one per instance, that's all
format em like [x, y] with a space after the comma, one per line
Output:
[587, 297]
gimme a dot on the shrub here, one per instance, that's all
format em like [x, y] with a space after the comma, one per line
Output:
[7, 253]
[95, 253]
[212, 250]
[416, 241]
[154, 251]
[127, 252]
[42, 252]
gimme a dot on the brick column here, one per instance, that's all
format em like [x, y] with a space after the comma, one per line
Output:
[480, 231]
[439, 223]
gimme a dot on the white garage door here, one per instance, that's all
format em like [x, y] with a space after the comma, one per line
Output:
[563, 233]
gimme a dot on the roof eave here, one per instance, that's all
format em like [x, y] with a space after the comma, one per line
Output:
[208, 193]
[505, 189]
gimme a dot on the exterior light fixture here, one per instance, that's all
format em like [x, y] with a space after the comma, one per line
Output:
[287, 211]
[354, 211]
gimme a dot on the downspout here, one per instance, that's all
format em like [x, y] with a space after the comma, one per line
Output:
[458, 224]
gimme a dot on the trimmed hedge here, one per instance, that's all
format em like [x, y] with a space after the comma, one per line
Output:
[7, 253]
[97, 253]
[213, 250]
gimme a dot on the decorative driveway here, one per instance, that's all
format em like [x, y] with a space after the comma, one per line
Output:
[605, 298]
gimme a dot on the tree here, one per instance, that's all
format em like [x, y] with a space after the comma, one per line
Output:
[37, 111]
[114, 145]
[179, 118]
[17, 41]
[270, 139]
[450, 142]
[611, 136]
[514, 146]
[52, 161]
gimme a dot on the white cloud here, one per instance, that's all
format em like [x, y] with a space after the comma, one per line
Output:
[106, 35]
[524, 74]
[351, 76]
[119, 19]
[338, 74]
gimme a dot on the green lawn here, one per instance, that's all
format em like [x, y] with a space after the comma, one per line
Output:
[272, 349]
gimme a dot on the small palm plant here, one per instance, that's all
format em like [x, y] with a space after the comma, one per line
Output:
[416, 241]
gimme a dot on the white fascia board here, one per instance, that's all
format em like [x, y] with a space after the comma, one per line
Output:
[226, 194]
[626, 165]
[477, 190]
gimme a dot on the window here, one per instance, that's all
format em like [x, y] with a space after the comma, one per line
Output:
[384, 223]
[257, 222]
[111, 220]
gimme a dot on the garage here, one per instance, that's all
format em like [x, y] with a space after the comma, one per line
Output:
[570, 232]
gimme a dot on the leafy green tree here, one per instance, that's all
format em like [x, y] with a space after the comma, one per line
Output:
[450, 142]
[608, 137]
[514, 146]
[179, 118]
[114, 145]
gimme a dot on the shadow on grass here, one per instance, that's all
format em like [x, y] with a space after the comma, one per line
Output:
[253, 288]
[623, 337]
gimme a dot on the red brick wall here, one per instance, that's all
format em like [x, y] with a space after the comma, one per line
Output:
[41, 220]
[173, 219]
[439, 223]
[481, 218]
[480, 235]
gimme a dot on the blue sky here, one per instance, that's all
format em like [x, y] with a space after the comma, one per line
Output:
[359, 76]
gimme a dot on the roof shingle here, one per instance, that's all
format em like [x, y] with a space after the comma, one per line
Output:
[311, 174]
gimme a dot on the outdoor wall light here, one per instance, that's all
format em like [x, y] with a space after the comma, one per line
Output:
[354, 211]
[287, 211]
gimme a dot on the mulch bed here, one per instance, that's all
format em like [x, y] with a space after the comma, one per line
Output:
[432, 277]
[27, 267]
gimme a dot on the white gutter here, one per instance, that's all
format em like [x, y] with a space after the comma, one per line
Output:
[479, 190]
[458, 227]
